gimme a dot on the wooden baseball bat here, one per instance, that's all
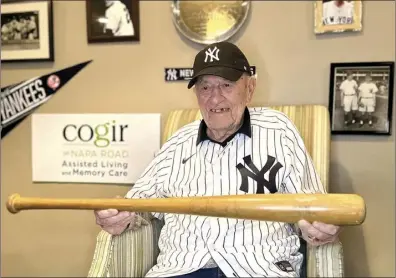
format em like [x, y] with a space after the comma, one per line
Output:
[337, 209]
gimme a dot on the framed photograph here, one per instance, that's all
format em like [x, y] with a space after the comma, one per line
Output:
[112, 20]
[338, 16]
[361, 98]
[27, 31]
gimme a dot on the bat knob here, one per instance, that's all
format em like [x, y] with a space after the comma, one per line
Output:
[11, 203]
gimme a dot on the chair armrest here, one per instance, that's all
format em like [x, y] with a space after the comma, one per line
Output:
[326, 260]
[102, 254]
[130, 254]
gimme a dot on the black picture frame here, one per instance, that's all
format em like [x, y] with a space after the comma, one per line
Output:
[358, 102]
[95, 21]
[27, 31]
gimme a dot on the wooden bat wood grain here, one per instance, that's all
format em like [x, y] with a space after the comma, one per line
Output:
[337, 209]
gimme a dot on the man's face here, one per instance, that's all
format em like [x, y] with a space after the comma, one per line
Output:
[368, 78]
[350, 76]
[222, 102]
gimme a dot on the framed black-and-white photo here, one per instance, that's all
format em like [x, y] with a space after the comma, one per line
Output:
[27, 31]
[361, 98]
[338, 16]
[112, 20]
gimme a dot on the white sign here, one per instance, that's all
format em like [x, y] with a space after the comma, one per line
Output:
[93, 148]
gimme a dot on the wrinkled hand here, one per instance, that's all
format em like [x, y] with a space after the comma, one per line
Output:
[115, 222]
[318, 233]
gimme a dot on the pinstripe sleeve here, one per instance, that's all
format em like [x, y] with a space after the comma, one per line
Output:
[301, 175]
[151, 181]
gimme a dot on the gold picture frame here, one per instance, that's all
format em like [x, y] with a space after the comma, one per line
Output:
[335, 17]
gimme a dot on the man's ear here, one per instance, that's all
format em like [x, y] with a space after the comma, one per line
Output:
[251, 88]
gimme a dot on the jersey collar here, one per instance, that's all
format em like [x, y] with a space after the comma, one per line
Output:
[244, 129]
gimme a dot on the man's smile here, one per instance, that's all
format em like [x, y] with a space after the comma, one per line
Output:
[220, 110]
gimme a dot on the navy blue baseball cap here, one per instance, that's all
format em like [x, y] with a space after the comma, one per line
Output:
[223, 59]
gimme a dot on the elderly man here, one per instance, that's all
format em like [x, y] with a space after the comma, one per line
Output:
[234, 150]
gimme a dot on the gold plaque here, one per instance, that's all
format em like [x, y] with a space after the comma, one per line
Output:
[207, 22]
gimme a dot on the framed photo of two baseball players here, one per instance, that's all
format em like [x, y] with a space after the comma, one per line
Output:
[361, 98]
[112, 20]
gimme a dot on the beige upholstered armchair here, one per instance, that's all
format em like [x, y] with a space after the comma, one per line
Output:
[133, 253]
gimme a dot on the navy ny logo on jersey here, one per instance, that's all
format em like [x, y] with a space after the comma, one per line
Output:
[258, 176]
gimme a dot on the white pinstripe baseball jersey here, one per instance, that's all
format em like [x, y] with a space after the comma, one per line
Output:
[349, 87]
[119, 19]
[334, 15]
[269, 158]
[367, 90]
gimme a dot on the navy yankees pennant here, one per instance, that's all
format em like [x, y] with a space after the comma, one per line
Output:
[21, 99]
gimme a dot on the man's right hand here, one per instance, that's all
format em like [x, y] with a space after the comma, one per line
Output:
[115, 222]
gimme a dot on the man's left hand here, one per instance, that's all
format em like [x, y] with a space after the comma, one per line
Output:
[318, 233]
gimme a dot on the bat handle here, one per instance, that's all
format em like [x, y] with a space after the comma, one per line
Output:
[11, 203]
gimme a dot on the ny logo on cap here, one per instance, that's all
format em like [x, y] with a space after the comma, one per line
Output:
[212, 54]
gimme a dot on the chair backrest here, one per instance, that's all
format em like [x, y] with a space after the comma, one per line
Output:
[312, 121]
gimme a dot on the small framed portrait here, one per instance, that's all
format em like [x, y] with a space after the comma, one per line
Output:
[27, 31]
[361, 98]
[112, 20]
[338, 16]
